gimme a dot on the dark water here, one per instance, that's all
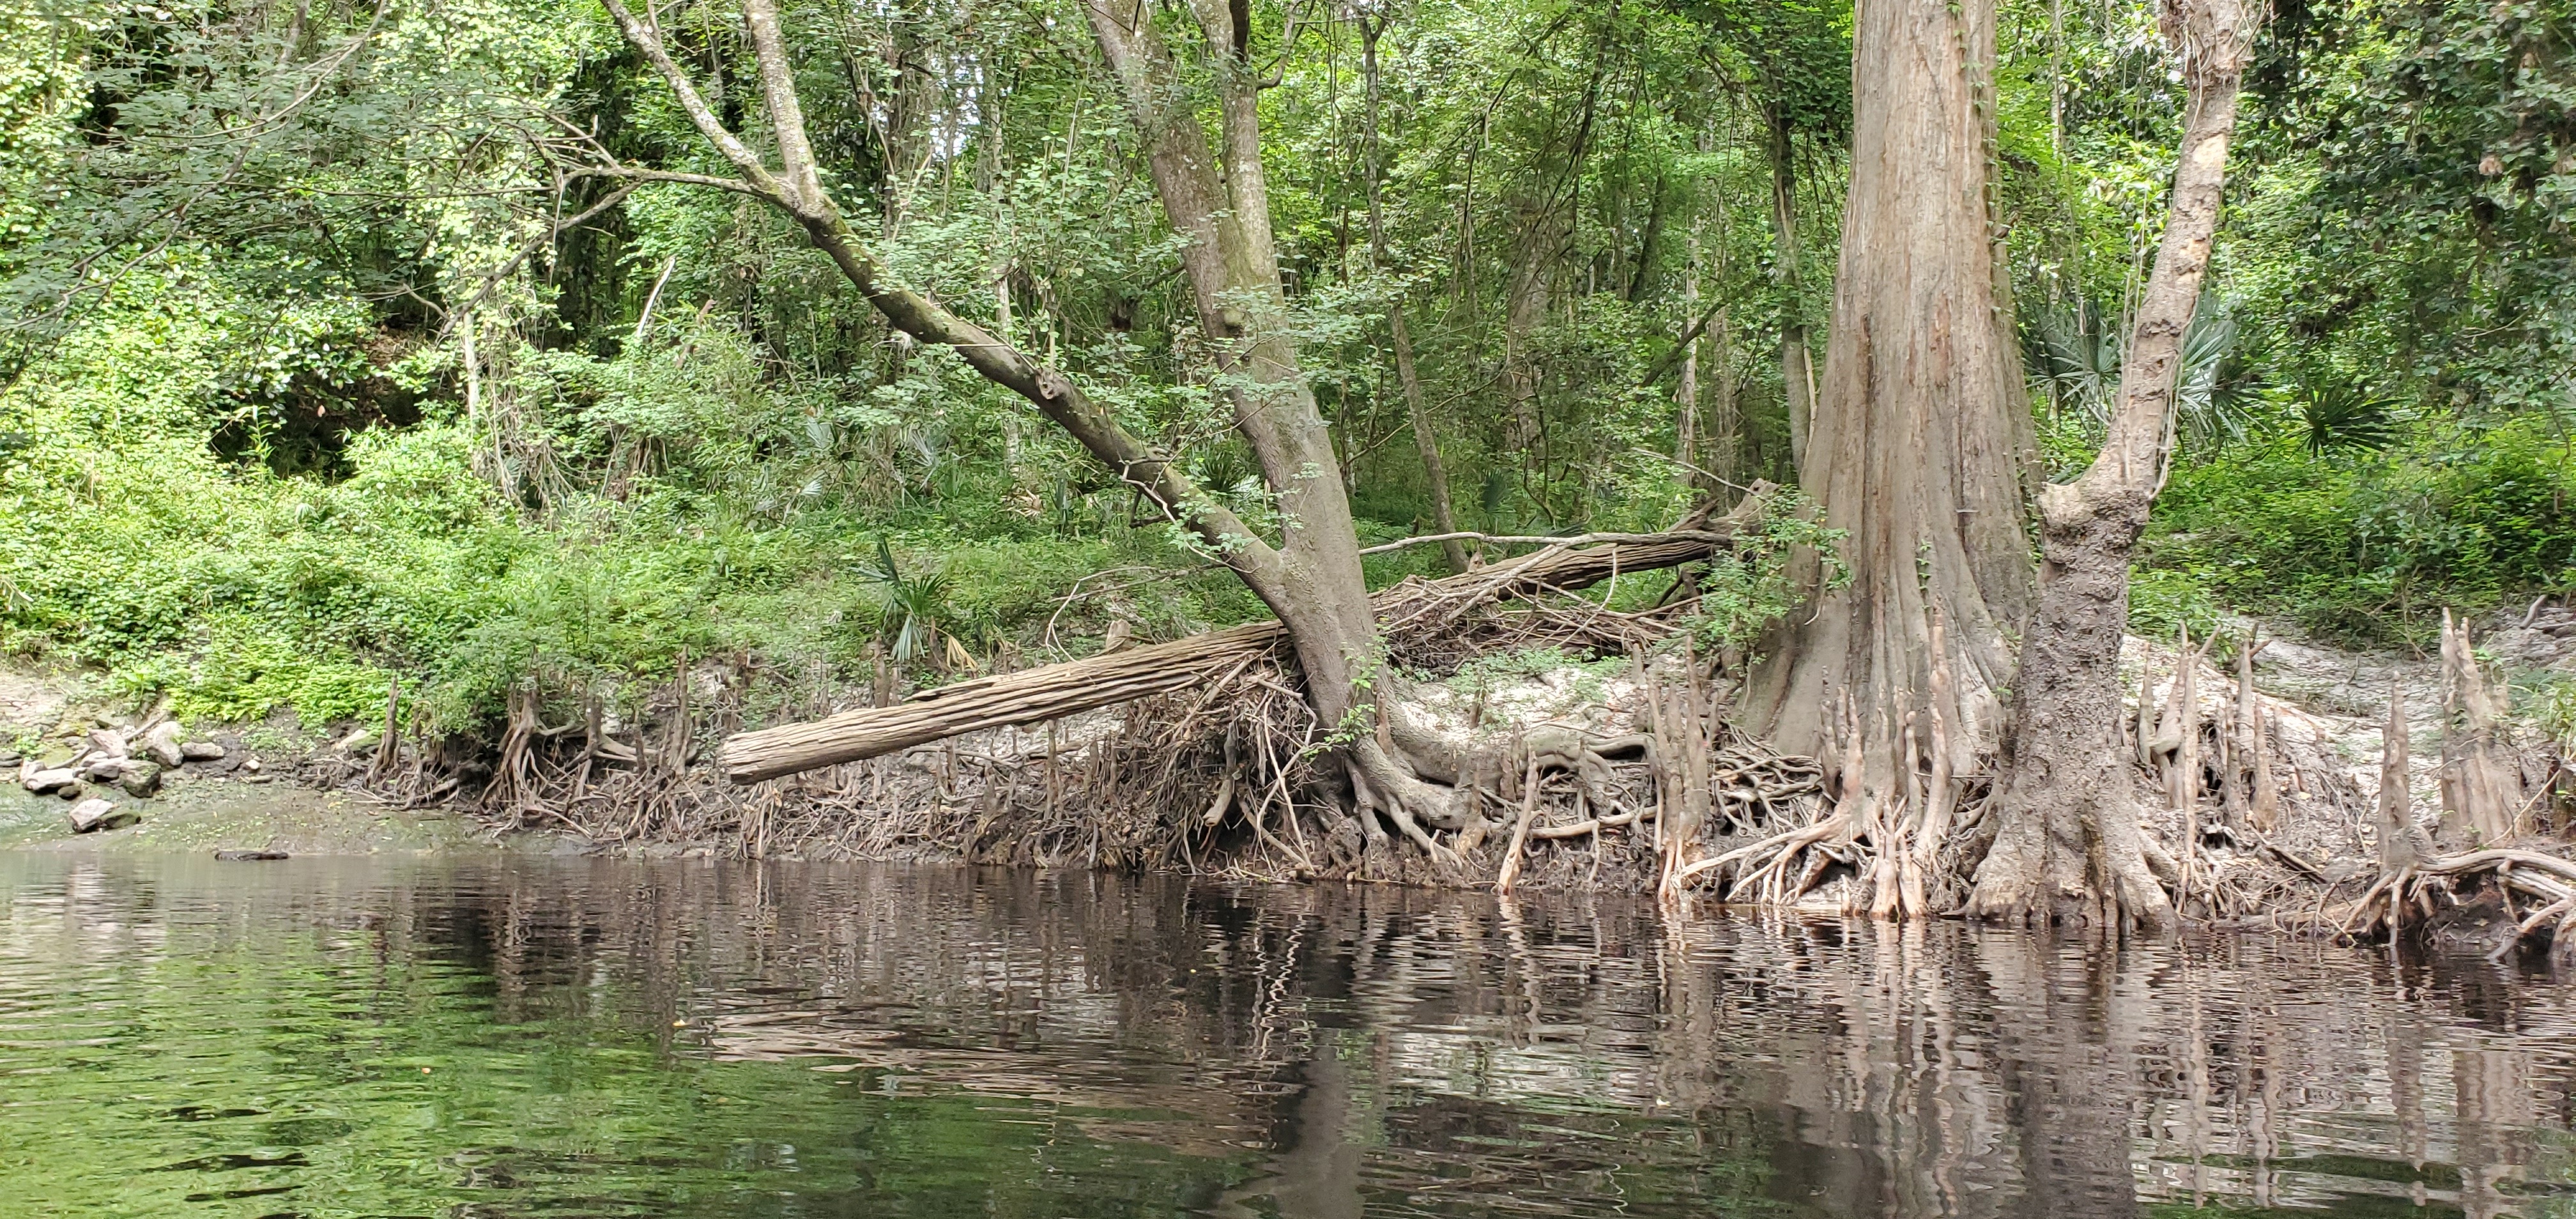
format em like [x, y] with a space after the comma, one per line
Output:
[348, 1038]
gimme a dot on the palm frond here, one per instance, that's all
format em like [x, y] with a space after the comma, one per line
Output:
[2077, 357]
[917, 613]
[2342, 415]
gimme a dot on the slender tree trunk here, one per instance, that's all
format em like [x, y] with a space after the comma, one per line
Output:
[1426, 440]
[2402, 844]
[905, 139]
[1797, 372]
[2068, 848]
[1686, 393]
[1918, 439]
[908, 111]
[1723, 447]
[1705, 439]
[1524, 307]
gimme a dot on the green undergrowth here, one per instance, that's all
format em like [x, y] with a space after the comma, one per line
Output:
[235, 592]
[130, 544]
[2364, 546]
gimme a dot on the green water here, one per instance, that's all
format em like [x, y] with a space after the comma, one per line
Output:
[571, 1038]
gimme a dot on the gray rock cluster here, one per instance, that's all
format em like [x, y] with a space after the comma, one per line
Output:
[129, 761]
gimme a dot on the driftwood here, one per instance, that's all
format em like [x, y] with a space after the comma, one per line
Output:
[1051, 692]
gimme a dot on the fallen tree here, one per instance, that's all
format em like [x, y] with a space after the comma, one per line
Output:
[1050, 692]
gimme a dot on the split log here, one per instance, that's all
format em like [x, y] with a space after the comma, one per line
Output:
[1049, 692]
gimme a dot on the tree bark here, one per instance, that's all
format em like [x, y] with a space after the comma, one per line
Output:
[2401, 843]
[1918, 439]
[2481, 792]
[2068, 845]
[1222, 205]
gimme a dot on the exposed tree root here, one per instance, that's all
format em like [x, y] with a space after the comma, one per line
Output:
[2406, 898]
[1637, 783]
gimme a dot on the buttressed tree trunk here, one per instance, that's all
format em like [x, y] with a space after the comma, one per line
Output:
[1918, 439]
[2068, 846]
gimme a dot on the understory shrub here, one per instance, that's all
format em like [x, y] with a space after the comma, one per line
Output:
[2368, 547]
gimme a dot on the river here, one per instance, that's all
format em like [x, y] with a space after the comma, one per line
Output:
[484, 1037]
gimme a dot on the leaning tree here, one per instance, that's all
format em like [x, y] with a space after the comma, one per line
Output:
[2068, 847]
[1215, 196]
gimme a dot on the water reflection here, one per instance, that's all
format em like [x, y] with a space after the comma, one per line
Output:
[320, 1037]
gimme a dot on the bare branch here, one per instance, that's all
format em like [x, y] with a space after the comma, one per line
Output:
[647, 40]
[786, 113]
[1543, 539]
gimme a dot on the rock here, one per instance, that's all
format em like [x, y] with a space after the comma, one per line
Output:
[71, 791]
[244, 856]
[140, 779]
[91, 816]
[108, 742]
[40, 780]
[363, 738]
[201, 751]
[162, 744]
[250, 764]
[105, 770]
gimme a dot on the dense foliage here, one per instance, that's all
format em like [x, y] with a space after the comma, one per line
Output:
[324, 366]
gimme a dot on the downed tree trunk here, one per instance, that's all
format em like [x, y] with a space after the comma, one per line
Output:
[1053, 691]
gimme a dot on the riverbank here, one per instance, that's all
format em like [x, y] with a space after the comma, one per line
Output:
[1158, 785]
[229, 815]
